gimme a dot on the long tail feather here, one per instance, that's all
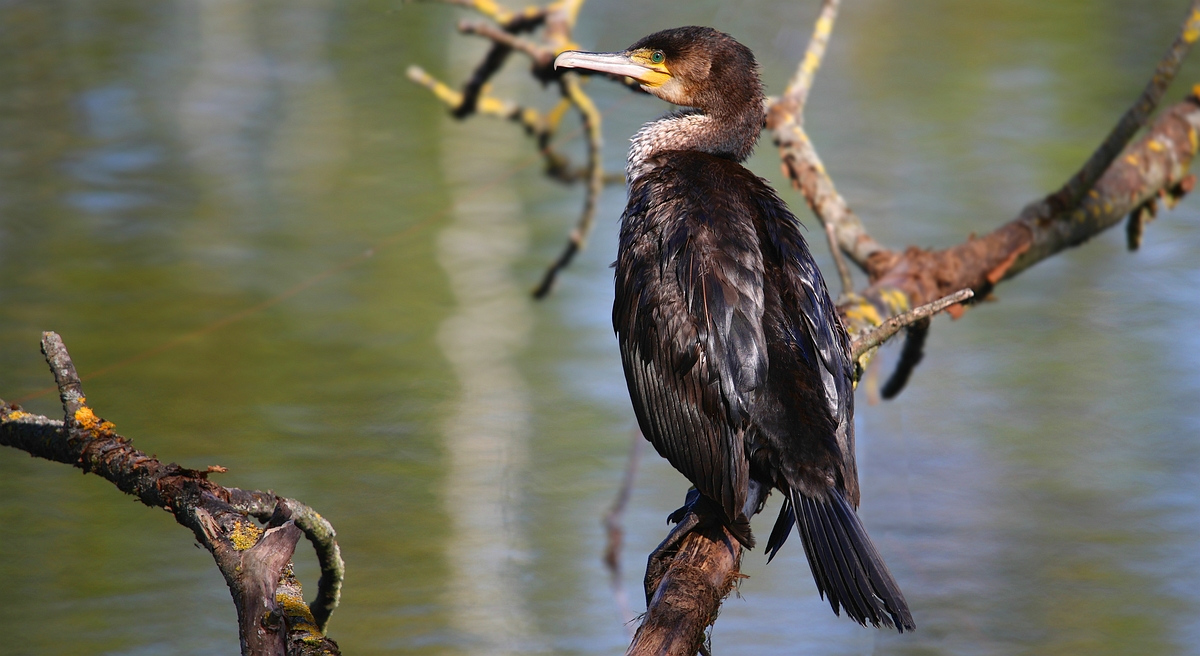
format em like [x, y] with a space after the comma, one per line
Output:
[783, 527]
[845, 564]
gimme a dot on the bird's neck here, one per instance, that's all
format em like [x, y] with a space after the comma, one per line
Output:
[731, 136]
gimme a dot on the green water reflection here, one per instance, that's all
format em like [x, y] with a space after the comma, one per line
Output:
[167, 165]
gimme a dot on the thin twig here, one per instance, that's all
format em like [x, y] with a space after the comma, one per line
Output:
[70, 389]
[577, 240]
[796, 93]
[530, 119]
[541, 55]
[893, 325]
[615, 529]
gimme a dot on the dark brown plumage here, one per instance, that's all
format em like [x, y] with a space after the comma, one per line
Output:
[738, 366]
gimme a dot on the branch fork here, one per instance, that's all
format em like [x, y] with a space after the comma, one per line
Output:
[272, 615]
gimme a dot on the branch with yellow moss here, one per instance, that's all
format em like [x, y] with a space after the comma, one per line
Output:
[1115, 182]
[255, 561]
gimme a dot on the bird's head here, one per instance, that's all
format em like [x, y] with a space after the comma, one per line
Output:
[689, 66]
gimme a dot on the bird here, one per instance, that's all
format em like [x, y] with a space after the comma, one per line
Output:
[737, 363]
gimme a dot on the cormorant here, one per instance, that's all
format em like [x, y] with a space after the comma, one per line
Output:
[737, 363]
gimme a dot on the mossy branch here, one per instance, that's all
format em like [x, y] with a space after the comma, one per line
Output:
[272, 615]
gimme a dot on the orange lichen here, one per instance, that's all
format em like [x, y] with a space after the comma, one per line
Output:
[86, 418]
[90, 422]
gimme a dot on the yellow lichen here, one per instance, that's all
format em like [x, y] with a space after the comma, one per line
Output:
[296, 610]
[15, 415]
[1193, 28]
[897, 301]
[1155, 146]
[244, 535]
[863, 313]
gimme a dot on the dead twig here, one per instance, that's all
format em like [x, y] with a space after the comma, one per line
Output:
[872, 339]
[577, 240]
[558, 19]
[615, 529]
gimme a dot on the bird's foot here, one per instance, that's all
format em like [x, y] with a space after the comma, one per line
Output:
[690, 516]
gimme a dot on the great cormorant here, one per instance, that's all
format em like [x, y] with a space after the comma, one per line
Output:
[737, 363]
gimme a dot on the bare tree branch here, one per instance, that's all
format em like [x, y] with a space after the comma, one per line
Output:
[1069, 196]
[320, 533]
[558, 19]
[687, 598]
[541, 55]
[802, 164]
[254, 561]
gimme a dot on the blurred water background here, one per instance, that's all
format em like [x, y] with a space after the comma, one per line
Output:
[164, 165]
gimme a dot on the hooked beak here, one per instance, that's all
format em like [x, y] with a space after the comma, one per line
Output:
[613, 63]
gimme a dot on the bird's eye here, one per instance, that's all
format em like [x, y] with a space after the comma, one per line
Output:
[657, 57]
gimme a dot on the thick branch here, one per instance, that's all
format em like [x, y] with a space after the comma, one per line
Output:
[1156, 165]
[263, 506]
[689, 594]
[253, 569]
